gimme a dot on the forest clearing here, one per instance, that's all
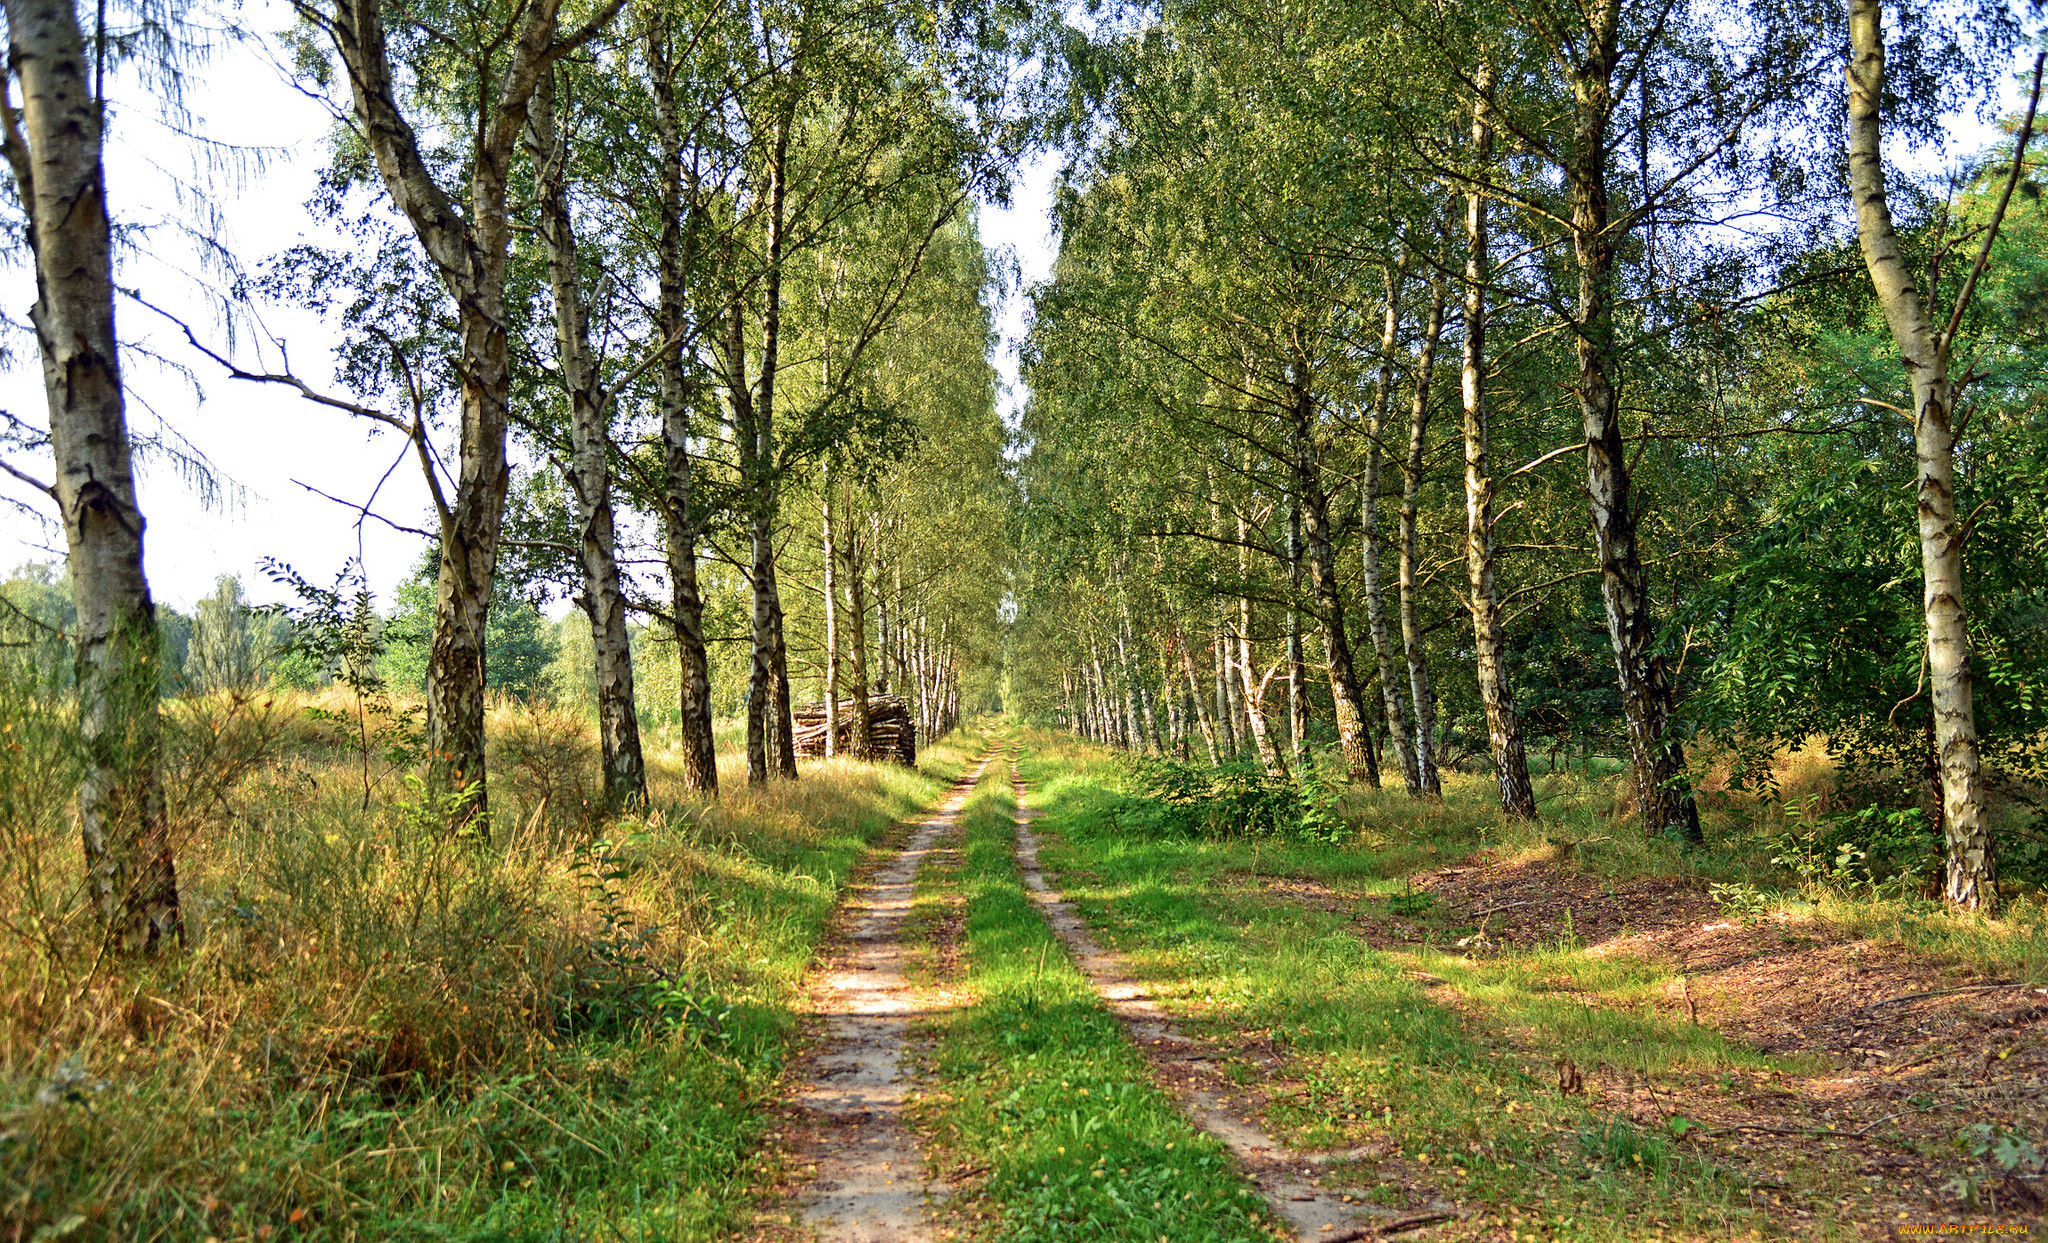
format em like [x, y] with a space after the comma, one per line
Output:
[1006, 621]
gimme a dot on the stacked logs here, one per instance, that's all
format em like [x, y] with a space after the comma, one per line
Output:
[892, 735]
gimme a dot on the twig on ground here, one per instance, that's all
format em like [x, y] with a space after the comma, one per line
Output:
[1814, 1130]
[1505, 906]
[1951, 992]
[1397, 1226]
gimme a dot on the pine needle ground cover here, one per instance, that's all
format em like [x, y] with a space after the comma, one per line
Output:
[379, 1033]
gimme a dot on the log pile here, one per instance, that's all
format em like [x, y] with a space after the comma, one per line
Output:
[892, 735]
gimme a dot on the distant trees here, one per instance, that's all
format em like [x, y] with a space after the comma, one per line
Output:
[519, 644]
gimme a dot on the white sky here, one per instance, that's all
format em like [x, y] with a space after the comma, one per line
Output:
[262, 438]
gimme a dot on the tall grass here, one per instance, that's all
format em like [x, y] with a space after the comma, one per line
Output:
[377, 1030]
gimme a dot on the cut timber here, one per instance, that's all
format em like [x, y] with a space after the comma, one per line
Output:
[892, 733]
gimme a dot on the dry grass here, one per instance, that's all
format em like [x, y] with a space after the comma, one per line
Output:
[380, 1031]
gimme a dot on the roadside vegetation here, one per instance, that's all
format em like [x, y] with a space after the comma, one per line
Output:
[379, 1030]
[1563, 1031]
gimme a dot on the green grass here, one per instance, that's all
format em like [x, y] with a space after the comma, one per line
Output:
[1467, 1092]
[1038, 1086]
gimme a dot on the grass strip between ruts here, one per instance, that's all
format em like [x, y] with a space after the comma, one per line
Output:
[1037, 1092]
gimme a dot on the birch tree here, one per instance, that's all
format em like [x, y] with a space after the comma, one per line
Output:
[54, 138]
[1926, 346]
[503, 56]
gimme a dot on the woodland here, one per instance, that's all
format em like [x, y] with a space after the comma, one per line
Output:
[1488, 681]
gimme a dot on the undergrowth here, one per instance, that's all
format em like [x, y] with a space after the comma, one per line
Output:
[379, 1031]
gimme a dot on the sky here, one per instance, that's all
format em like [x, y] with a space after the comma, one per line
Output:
[265, 442]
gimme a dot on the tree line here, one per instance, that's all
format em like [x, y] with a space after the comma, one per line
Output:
[673, 307]
[1424, 381]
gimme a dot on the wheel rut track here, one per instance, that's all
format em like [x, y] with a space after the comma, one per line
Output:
[870, 1185]
[1283, 1176]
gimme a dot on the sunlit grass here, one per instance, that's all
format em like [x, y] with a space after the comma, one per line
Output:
[378, 1031]
[1447, 1063]
[1037, 1085]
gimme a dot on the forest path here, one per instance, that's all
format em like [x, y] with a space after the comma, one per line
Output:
[869, 1185]
[1315, 1205]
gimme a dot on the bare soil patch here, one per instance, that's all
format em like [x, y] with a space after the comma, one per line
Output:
[852, 1171]
[1915, 1051]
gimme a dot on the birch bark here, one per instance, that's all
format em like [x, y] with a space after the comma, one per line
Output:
[1503, 725]
[1197, 692]
[1247, 667]
[676, 385]
[604, 605]
[857, 643]
[1354, 739]
[54, 147]
[1369, 523]
[831, 572]
[1427, 782]
[1972, 879]
[1646, 699]
[468, 246]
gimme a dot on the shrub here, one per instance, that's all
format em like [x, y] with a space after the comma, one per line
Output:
[1237, 798]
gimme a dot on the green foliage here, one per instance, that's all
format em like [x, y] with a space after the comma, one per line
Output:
[1741, 900]
[1820, 632]
[1234, 799]
[231, 645]
[337, 632]
[36, 620]
[1873, 851]
[2011, 1153]
[519, 644]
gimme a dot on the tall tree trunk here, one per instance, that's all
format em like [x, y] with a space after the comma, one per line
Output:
[1129, 669]
[1369, 523]
[1972, 881]
[1255, 695]
[1226, 698]
[1228, 712]
[885, 638]
[1426, 778]
[857, 645]
[1646, 697]
[760, 669]
[1105, 714]
[468, 247]
[831, 543]
[1199, 693]
[1248, 666]
[1503, 725]
[677, 393]
[921, 676]
[590, 478]
[1297, 674]
[131, 876]
[768, 688]
[782, 724]
[1313, 508]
